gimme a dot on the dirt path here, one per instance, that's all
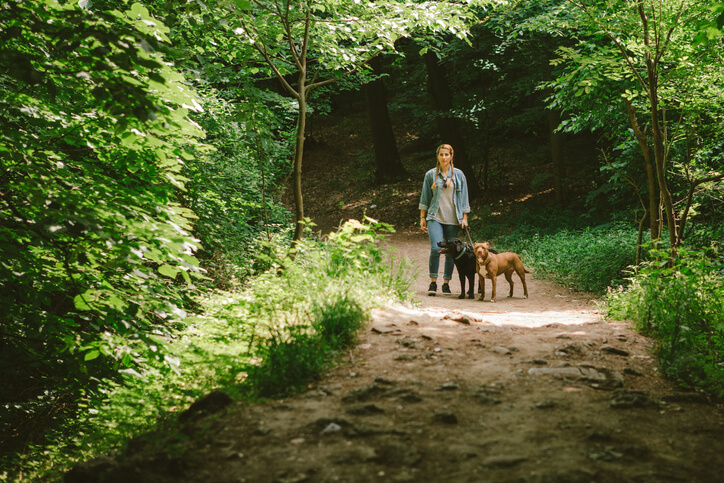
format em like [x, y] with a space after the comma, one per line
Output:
[536, 390]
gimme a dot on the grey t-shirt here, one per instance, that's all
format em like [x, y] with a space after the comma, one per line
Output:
[446, 213]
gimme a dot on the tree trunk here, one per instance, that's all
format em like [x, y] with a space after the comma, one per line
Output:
[657, 132]
[439, 90]
[388, 166]
[659, 154]
[298, 155]
[651, 183]
[556, 141]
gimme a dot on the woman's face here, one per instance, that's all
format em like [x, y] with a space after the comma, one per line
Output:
[444, 156]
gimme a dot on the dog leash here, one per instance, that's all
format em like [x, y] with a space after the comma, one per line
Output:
[470, 239]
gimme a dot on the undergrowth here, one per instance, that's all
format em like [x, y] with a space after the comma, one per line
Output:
[588, 260]
[560, 246]
[283, 331]
[679, 303]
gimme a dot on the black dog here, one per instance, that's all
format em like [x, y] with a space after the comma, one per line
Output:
[464, 257]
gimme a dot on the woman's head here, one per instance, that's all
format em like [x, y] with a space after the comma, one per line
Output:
[444, 154]
[443, 151]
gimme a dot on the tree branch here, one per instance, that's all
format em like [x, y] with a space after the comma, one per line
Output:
[671, 32]
[690, 196]
[256, 38]
[346, 74]
[584, 8]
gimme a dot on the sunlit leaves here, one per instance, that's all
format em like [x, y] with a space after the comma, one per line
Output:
[342, 34]
[95, 131]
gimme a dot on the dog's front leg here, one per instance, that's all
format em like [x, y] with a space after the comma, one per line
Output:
[481, 283]
[462, 285]
[493, 280]
[471, 282]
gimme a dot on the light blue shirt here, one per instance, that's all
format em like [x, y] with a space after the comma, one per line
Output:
[430, 198]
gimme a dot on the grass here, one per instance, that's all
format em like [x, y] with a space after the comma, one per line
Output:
[286, 328]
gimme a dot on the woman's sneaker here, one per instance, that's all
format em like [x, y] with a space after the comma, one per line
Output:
[445, 288]
[433, 288]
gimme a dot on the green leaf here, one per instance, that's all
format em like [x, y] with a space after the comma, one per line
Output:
[168, 271]
[243, 4]
[80, 303]
[90, 355]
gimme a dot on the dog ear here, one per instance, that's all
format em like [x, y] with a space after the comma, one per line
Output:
[486, 244]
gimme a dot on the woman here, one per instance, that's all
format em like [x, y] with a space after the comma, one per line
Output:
[444, 209]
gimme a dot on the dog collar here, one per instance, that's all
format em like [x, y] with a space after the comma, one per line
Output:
[462, 253]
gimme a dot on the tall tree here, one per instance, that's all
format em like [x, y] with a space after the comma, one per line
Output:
[637, 75]
[654, 42]
[317, 42]
[447, 125]
[388, 166]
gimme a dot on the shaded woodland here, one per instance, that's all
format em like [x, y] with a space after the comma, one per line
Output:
[153, 158]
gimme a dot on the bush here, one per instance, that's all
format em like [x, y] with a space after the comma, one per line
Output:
[681, 305]
[235, 188]
[281, 333]
[588, 259]
[319, 302]
[96, 248]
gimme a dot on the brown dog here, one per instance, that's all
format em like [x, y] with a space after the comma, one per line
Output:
[490, 265]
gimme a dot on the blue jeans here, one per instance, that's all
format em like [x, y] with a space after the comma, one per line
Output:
[439, 232]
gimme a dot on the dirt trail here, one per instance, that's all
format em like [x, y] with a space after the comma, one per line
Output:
[536, 390]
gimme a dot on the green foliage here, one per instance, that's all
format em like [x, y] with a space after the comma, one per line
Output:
[561, 246]
[606, 68]
[293, 355]
[591, 260]
[711, 28]
[336, 47]
[339, 322]
[96, 251]
[320, 301]
[235, 189]
[680, 303]
[277, 336]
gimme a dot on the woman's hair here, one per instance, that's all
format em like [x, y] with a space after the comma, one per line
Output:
[437, 171]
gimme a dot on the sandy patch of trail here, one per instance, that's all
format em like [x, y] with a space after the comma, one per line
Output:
[536, 390]
[548, 303]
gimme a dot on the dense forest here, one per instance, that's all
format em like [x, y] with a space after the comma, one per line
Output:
[152, 211]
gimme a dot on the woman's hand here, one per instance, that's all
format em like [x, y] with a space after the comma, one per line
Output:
[464, 223]
[423, 224]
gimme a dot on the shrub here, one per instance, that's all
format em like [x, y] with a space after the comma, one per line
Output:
[681, 305]
[589, 259]
[274, 338]
[304, 316]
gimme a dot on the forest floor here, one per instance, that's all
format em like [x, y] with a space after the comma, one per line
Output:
[449, 390]
[522, 390]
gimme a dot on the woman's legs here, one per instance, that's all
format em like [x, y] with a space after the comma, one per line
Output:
[449, 231]
[437, 233]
